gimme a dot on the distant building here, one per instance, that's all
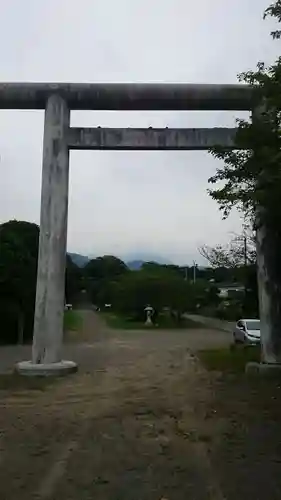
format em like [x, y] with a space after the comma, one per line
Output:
[226, 291]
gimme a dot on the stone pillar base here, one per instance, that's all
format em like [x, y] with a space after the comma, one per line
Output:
[29, 369]
[264, 369]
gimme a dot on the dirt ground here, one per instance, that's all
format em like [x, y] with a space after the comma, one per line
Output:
[141, 420]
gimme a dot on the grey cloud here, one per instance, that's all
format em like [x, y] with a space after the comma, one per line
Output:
[123, 202]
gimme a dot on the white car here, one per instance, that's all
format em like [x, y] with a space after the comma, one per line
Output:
[247, 331]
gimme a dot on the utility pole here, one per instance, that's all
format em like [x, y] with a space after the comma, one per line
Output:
[245, 251]
[194, 272]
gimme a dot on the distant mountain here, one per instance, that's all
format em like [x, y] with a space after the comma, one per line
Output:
[133, 261]
[137, 259]
[135, 265]
[79, 260]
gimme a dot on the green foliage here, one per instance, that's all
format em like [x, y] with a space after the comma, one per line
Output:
[100, 276]
[18, 269]
[72, 320]
[227, 360]
[19, 241]
[106, 267]
[122, 322]
[250, 178]
[251, 175]
[164, 321]
[137, 289]
[157, 286]
[73, 281]
[274, 10]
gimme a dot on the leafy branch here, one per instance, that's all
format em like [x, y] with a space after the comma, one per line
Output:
[251, 176]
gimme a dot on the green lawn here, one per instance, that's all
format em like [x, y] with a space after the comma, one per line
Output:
[164, 322]
[72, 321]
[229, 360]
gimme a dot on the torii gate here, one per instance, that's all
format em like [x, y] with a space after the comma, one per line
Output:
[58, 99]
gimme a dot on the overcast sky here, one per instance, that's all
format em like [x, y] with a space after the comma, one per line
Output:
[124, 203]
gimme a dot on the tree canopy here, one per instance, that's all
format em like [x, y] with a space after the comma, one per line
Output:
[274, 10]
[18, 270]
[99, 273]
[107, 267]
[250, 177]
[19, 242]
[73, 280]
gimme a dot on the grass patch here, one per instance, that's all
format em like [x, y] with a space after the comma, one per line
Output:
[119, 322]
[244, 413]
[72, 321]
[229, 360]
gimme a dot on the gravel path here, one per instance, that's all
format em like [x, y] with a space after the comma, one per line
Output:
[131, 424]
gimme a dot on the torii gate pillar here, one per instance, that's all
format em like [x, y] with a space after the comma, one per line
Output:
[50, 291]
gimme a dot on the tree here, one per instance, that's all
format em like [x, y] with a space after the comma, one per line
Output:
[106, 267]
[19, 241]
[251, 174]
[274, 10]
[240, 251]
[236, 262]
[18, 271]
[160, 287]
[251, 178]
[73, 280]
[137, 289]
[99, 273]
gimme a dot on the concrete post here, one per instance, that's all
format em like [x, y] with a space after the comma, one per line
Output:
[49, 308]
[269, 283]
[268, 241]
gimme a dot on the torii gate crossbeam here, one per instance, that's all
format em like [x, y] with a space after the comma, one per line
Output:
[151, 139]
